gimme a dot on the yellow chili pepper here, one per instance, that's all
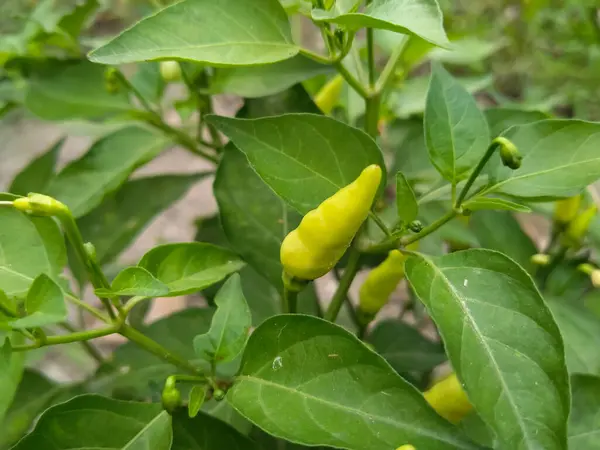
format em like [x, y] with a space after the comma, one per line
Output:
[329, 95]
[40, 205]
[449, 399]
[578, 227]
[566, 210]
[406, 447]
[170, 71]
[312, 249]
[381, 283]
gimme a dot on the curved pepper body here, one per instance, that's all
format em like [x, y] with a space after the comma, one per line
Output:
[449, 399]
[565, 210]
[312, 249]
[578, 227]
[329, 95]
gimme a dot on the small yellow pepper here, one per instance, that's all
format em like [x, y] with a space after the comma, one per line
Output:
[449, 399]
[170, 71]
[40, 205]
[329, 95]
[406, 447]
[578, 227]
[312, 249]
[381, 283]
[566, 210]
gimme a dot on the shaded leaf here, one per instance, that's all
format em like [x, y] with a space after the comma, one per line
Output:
[38, 173]
[135, 281]
[294, 100]
[501, 119]
[44, 304]
[149, 82]
[407, 142]
[494, 203]
[196, 400]
[241, 33]
[12, 365]
[304, 158]
[496, 327]
[312, 382]
[466, 51]
[584, 422]
[406, 202]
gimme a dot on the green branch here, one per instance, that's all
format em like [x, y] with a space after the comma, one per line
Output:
[341, 293]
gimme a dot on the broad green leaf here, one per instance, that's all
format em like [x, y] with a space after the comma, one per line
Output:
[456, 232]
[466, 51]
[254, 218]
[494, 203]
[501, 119]
[11, 370]
[84, 183]
[44, 305]
[456, 131]
[206, 433]
[114, 224]
[499, 230]
[294, 100]
[422, 18]
[584, 422]
[196, 400]
[190, 267]
[406, 202]
[149, 82]
[39, 249]
[38, 173]
[304, 158]
[502, 342]
[579, 329]
[407, 142]
[239, 34]
[405, 348]
[260, 81]
[560, 158]
[311, 382]
[91, 421]
[135, 281]
[230, 325]
[73, 90]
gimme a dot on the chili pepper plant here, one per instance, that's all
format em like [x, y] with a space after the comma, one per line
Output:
[367, 282]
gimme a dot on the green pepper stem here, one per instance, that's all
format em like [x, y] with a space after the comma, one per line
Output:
[407, 240]
[342, 291]
[290, 301]
[69, 338]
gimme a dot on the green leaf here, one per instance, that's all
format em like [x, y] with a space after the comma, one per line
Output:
[91, 421]
[38, 173]
[584, 422]
[135, 281]
[579, 328]
[114, 224]
[501, 119]
[410, 151]
[73, 90]
[260, 81]
[494, 203]
[466, 51]
[44, 304]
[422, 18]
[39, 249]
[254, 218]
[240, 33]
[560, 158]
[84, 183]
[311, 382]
[502, 342]
[499, 230]
[11, 371]
[230, 325]
[149, 82]
[406, 202]
[294, 100]
[304, 158]
[405, 348]
[206, 433]
[190, 267]
[196, 400]
[456, 131]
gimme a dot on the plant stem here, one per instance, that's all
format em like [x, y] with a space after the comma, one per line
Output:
[407, 240]
[554, 263]
[387, 74]
[6, 203]
[182, 138]
[132, 302]
[371, 57]
[315, 56]
[155, 348]
[476, 172]
[342, 291]
[290, 301]
[351, 80]
[89, 348]
[372, 104]
[93, 311]
[69, 338]
[380, 223]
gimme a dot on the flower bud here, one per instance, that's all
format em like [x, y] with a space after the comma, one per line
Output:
[112, 83]
[406, 447]
[40, 205]
[595, 277]
[508, 153]
[415, 226]
[566, 210]
[171, 399]
[170, 71]
[540, 259]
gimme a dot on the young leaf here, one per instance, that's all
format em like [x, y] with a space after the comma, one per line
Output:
[38, 173]
[241, 34]
[134, 205]
[44, 304]
[84, 183]
[73, 91]
[406, 202]
[422, 18]
[190, 267]
[311, 382]
[260, 81]
[11, 371]
[304, 158]
[560, 158]
[196, 400]
[584, 423]
[494, 203]
[230, 325]
[254, 219]
[405, 348]
[39, 249]
[91, 421]
[456, 131]
[502, 341]
[135, 281]
[206, 433]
